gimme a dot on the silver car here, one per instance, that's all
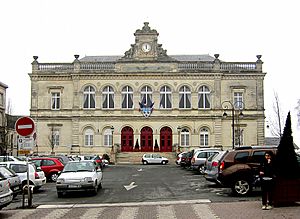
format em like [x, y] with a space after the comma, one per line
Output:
[6, 195]
[154, 159]
[211, 167]
[13, 179]
[200, 156]
[83, 175]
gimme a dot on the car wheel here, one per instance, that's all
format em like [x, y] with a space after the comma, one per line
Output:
[95, 190]
[163, 162]
[60, 194]
[100, 186]
[53, 177]
[241, 187]
[145, 162]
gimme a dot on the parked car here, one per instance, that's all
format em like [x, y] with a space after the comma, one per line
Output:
[239, 168]
[50, 165]
[13, 179]
[154, 159]
[6, 195]
[36, 178]
[4, 158]
[200, 156]
[178, 158]
[82, 157]
[211, 166]
[79, 176]
[186, 159]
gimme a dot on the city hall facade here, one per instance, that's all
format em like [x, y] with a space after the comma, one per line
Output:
[146, 100]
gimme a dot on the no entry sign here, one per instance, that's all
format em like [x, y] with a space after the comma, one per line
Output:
[24, 126]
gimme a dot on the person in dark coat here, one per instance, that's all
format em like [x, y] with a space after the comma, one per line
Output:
[267, 175]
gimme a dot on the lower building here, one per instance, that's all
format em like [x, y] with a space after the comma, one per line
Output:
[146, 100]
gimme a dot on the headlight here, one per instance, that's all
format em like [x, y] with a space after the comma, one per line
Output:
[60, 180]
[88, 179]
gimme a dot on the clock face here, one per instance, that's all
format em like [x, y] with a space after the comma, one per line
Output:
[146, 47]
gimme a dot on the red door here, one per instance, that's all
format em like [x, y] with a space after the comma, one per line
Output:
[166, 139]
[146, 139]
[127, 139]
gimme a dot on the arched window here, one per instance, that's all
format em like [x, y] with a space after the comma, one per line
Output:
[127, 97]
[204, 98]
[184, 97]
[146, 96]
[107, 137]
[185, 137]
[204, 137]
[165, 98]
[108, 97]
[89, 137]
[89, 98]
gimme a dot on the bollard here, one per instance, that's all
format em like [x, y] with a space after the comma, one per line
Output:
[29, 196]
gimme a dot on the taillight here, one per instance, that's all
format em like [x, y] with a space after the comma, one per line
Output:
[222, 165]
[36, 176]
[214, 164]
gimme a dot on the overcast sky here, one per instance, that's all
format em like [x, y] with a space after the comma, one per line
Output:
[238, 30]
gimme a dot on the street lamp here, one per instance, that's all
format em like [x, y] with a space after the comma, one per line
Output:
[112, 137]
[178, 130]
[233, 106]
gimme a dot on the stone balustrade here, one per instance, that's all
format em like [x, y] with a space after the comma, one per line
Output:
[182, 66]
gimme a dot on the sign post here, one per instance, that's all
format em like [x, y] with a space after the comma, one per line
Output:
[25, 127]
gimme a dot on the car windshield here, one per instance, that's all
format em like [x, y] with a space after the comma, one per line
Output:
[6, 172]
[79, 166]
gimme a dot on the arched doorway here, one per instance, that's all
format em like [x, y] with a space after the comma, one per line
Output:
[127, 139]
[146, 139]
[166, 139]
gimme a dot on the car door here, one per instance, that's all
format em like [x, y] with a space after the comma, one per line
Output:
[47, 166]
[156, 158]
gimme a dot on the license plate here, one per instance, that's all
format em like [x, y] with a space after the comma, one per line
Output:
[74, 186]
[5, 199]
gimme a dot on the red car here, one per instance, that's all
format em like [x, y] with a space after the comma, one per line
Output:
[51, 166]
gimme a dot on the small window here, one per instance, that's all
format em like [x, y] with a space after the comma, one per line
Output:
[202, 155]
[242, 157]
[258, 156]
[18, 168]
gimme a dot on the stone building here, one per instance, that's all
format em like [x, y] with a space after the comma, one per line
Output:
[3, 88]
[146, 100]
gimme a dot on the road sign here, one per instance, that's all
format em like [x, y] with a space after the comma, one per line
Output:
[24, 126]
[25, 143]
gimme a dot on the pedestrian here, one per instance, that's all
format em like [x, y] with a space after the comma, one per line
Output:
[267, 177]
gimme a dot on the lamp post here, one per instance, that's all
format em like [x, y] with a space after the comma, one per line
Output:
[178, 130]
[233, 106]
[112, 137]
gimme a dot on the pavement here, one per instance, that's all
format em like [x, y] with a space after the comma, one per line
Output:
[192, 209]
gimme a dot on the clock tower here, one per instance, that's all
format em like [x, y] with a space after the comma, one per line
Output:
[146, 47]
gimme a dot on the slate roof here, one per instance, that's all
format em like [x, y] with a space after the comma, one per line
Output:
[204, 57]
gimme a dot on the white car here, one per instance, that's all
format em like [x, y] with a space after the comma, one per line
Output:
[6, 195]
[154, 159]
[4, 158]
[36, 178]
[85, 175]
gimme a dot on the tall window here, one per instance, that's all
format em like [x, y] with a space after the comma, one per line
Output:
[204, 98]
[239, 137]
[204, 137]
[165, 97]
[1, 99]
[185, 137]
[184, 97]
[127, 98]
[89, 98]
[108, 97]
[238, 100]
[108, 137]
[55, 100]
[89, 137]
[55, 137]
[146, 96]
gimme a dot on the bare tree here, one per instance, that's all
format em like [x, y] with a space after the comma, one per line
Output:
[9, 108]
[52, 139]
[276, 120]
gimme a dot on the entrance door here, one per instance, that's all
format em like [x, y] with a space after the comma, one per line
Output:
[146, 139]
[127, 139]
[166, 139]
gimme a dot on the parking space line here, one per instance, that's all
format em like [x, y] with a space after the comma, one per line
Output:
[203, 211]
[92, 213]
